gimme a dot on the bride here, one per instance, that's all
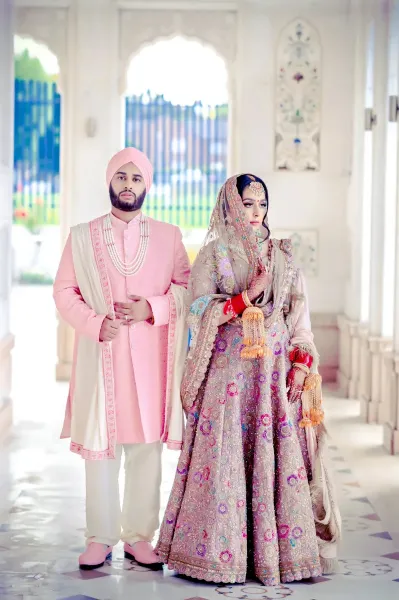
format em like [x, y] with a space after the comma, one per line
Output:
[251, 494]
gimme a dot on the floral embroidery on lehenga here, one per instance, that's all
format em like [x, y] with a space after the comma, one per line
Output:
[251, 502]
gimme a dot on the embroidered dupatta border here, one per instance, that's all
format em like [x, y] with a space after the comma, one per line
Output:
[167, 408]
[106, 351]
[198, 362]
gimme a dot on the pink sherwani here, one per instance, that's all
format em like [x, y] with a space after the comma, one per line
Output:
[139, 352]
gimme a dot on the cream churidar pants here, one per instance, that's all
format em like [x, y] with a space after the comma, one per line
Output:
[139, 518]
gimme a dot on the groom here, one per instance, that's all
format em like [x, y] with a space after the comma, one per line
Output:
[121, 286]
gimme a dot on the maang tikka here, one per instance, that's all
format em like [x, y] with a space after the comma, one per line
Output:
[257, 189]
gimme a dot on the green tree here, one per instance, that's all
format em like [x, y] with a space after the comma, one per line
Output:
[29, 68]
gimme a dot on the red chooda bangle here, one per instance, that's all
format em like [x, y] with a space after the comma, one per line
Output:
[238, 304]
[235, 306]
[228, 308]
[297, 355]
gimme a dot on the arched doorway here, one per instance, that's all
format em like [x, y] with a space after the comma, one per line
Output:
[176, 110]
[36, 166]
[36, 218]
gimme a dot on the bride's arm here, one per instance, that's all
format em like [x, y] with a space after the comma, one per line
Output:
[203, 285]
[303, 356]
[236, 305]
[302, 336]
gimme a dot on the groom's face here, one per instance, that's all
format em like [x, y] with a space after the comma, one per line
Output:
[127, 189]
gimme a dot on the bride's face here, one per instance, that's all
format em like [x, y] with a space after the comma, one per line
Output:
[255, 208]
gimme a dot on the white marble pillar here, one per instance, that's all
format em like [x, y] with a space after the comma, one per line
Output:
[232, 143]
[345, 355]
[380, 350]
[354, 380]
[391, 426]
[387, 385]
[365, 371]
[254, 80]
[6, 179]
[377, 344]
[349, 356]
[349, 360]
[91, 124]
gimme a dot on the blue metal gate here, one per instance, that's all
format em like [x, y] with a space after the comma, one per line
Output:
[36, 152]
[188, 148]
[186, 144]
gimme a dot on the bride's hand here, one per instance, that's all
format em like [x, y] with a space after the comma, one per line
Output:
[295, 382]
[259, 284]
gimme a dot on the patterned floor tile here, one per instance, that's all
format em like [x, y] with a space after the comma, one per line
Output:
[360, 567]
[355, 524]
[384, 535]
[79, 597]
[393, 556]
[42, 537]
[254, 591]
[79, 574]
[316, 580]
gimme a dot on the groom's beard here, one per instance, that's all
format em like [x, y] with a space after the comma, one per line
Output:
[118, 202]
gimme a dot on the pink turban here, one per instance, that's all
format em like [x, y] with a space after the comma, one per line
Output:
[135, 156]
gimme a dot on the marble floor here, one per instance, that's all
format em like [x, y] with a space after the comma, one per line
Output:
[42, 501]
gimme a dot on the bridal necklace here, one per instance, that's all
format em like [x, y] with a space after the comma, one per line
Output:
[132, 267]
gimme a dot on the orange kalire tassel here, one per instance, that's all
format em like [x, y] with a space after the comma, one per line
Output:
[312, 412]
[253, 323]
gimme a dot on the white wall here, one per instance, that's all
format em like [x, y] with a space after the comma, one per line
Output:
[311, 200]
[92, 95]
[6, 162]
[315, 200]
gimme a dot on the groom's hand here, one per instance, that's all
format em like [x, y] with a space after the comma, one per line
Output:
[109, 329]
[133, 312]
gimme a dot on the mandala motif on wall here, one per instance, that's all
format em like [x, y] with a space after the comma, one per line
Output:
[304, 248]
[298, 99]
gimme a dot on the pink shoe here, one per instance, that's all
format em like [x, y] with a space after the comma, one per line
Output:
[94, 556]
[143, 554]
